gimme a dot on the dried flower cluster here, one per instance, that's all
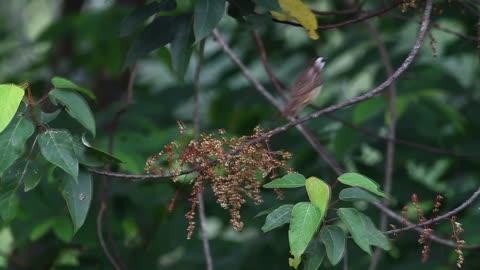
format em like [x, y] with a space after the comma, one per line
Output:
[233, 177]
[405, 5]
[457, 234]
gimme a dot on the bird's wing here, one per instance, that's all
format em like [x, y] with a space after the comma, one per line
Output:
[303, 85]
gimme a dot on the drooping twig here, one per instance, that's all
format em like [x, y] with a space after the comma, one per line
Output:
[103, 213]
[390, 152]
[196, 131]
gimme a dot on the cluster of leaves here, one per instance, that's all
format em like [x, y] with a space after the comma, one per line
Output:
[25, 125]
[183, 26]
[308, 236]
[231, 176]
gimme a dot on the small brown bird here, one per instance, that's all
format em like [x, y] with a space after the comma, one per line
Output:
[306, 87]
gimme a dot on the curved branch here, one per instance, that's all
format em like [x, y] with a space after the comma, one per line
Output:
[407, 62]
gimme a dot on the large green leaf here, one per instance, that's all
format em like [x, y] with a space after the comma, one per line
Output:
[13, 140]
[206, 17]
[77, 107]
[278, 217]
[358, 180]
[314, 255]
[305, 220]
[356, 194]
[157, 34]
[138, 17]
[33, 173]
[57, 147]
[291, 180]
[78, 195]
[9, 184]
[181, 47]
[10, 98]
[319, 193]
[363, 230]
[62, 83]
[334, 239]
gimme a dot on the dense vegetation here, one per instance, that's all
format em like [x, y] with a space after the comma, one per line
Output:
[151, 135]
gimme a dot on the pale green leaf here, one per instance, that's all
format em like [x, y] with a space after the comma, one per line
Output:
[10, 98]
[278, 217]
[77, 107]
[291, 180]
[62, 83]
[57, 147]
[305, 221]
[334, 239]
[319, 193]
[358, 180]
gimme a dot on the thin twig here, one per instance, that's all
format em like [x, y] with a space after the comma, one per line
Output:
[390, 152]
[362, 18]
[196, 131]
[114, 258]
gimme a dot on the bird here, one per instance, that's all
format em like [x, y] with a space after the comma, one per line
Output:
[306, 88]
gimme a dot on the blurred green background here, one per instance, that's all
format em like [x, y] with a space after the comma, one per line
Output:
[438, 105]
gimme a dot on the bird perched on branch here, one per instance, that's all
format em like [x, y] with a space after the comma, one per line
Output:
[306, 87]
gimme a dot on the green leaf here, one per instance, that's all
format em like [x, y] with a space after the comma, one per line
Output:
[291, 180]
[363, 230]
[157, 34]
[138, 17]
[46, 118]
[77, 107]
[206, 17]
[99, 153]
[334, 239]
[41, 229]
[62, 83]
[319, 193]
[87, 156]
[278, 217]
[305, 220]
[314, 256]
[357, 194]
[62, 227]
[13, 140]
[57, 147]
[368, 109]
[181, 47]
[33, 174]
[10, 98]
[9, 184]
[358, 180]
[78, 196]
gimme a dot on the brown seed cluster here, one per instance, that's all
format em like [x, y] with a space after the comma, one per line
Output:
[232, 177]
[407, 4]
[457, 234]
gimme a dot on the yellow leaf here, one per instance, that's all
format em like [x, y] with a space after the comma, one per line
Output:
[302, 13]
[295, 262]
[279, 16]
